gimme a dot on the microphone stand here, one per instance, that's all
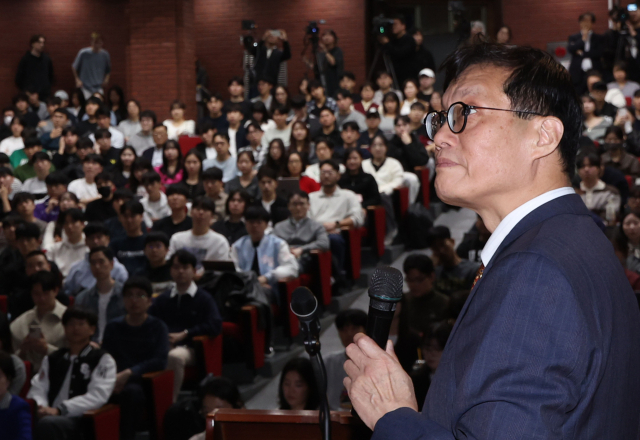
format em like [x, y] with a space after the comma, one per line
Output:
[312, 346]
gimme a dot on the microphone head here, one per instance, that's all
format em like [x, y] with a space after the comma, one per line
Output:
[386, 284]
[303, 302]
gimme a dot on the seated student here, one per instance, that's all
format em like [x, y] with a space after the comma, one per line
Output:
[155, 202]
[346, 113]
[621, 247]
[350, 138]
[330, 131]
[224, 160]
[235, 131]
[275, 205]
[22, 160]
[85, 188]
[474, 241]
[373, 124]
[275, 157]
[188, 311]
[36, 185]
[200, 240]
[254, 136]
[70, 162]
[143, 140]
[39, 332]
[24, 204]
[452, 272]
[214, 190]
[15, 413]
[356, 180]
[66, 155]
[320, 100]
[267, 256]
[72, 248]
[6, 346]
[282, 131]
[172, 169]
[62, 402]
[177, 220]
[80, 276]
[154, 154]
[296, 164]
[105, 297]
[615, 155]
[14, 141]
[189, 423]
[54, 232]
[334, 208]
[130, 248]
[101, 209]
[349, 322]
[48, 208]
[139, 344]
[206, 148]
[192, 180]
[302, 233]
[215, 118]
[107, 152]
[416, 122]
[103, 116]
[389, 175]
[630, 226]
[366, 103]
[232, 227]
[115, 224]
[297, 389]
[432, 346]
[410, 152]
[600, 198]
[158, 269]
[419, 308]
[324, 151]
[248, 179]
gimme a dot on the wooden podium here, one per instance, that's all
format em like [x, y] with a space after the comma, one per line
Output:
[241, 424]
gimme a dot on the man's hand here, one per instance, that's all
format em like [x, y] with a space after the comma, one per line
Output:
[330, 227]
[36, 345]
[174, 338]
[376, 382]
[44, 411]
[121, 380]
[297, 252]
[383, 39]
[4, 192]
[51, 205]
[264, 282]
[78, 83]
[405, 137]
[283, 35]
[56, 132]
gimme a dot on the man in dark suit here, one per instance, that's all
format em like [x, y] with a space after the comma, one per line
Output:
[546, 345]
[269, 56]
[586, 48]
[154, 154]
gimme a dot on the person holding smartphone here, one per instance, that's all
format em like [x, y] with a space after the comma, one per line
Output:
[269, 55]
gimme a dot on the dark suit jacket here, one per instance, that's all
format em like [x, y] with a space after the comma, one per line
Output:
[596, 51]
[546, 346]
[268, 68]
[148, 153]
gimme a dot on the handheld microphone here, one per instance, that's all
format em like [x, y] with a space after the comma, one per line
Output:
[305, 306]
[385, 292]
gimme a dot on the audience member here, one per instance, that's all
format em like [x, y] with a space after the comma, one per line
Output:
[172, 169]
[108, 154]
[628, 88]
[144, 139]
[85, 188]
[73, 150]
[89, 121]
[411, 153]
[600, 198]
[21, 106]
[329, 129]
[232, 226]
[452, 272]
[36, 185]
[15, 413]
[157, 268]
[24, 204]
[301, 141]
[356, 180]
[594, 125]
[426, 79]
[178, 126]
[6, 347]
[155, 202]
[36, 104]
[215, 118]
[269, 56]
[236, 96]
[373, 123]
[603, 108]
[212, 180]
[177, 220]
[72, 248]
[35, 70]
[281, 131]
[324, 151]
[350, 136]
[410, 89]
[320, 99]
[92, 67]
[384, 81]
[140, 166]
[389, 111]
[54, 231]
[297, 389]
[92, 372]
[264, 89]
[248, 179]
[9, 187]
[224, 160]
[615, 155]
[102, 209]
[192, 176]
[124, 167]
[346, 113]
[300, 113]
[51, 138]
[14, 142]
[620, 244]
[139, 344]
[260, 114]
[275, 205]
[22, 160]
[104, 119]
[630, 226]
[47, 209]
[188, 311]
[130, 248]
[474, 241]
[130, 124]
[236, 131]
[254, 137]
[296, 165]
[155, 154]
[275, 157]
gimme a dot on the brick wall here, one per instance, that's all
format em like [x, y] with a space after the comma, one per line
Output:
[67, 25]
[218, 31]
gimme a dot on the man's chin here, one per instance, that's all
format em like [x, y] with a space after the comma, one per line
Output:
[447, 194]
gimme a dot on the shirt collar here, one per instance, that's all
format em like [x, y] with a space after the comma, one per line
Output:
[513, 218]
[191, 291]
[598, 186]
[335, 193]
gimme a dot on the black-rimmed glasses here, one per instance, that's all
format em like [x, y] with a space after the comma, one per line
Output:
[456, 117]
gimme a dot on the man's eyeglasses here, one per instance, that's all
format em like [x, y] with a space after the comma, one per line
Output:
[456, 117]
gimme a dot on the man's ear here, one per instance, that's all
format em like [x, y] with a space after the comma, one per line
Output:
[550, 130]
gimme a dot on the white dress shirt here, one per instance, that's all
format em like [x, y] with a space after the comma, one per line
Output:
[513, 218]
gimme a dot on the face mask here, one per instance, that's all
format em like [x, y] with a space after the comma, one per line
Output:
[613, 146]
[7, 120]
[104, 191]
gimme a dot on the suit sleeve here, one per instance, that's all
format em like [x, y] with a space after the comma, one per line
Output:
[531, 361]
[575, 44]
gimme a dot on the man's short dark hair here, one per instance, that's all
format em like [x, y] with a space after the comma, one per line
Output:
[40, 155]
[224, 136]
[256, 213]
[108, 253]
[103, 177]
[132, 206]
[177, 189]
[37, 252]
[588, 14]
[282, 109]
[151, 177]
[103, 112]
[298, 102]
[234, 107]
[355, 317]
[207, 126]
[75, 214]
[184, 257]
[32, 141]
[592, 157]
[22, 197]
[327, 141]
[404, 118]
[299, 193]
[20, 97]
[223, 388]
[351, 125]
[344, 93]
[417, 105]
[325, 109]
[437, 234]
[6, 366]
[137, 282]
[35, 38]
[102, 133]
[419, 262]
[332, 163]
[70, 130]
[62, 111]
[205, 203]
[47, 280]
[149, 114]
[159, 125]
[156, 236]
[93, 228]
[269, 172]
[236, 79]
[254, 124]
[94, 100]
[600, 86]
[80, 314]
[4, 160]
[213, 173]
[314, 84]
[4, 171]
[85, 144]
[347, 74]
[123, 194]
[92, 157]
[537, 84]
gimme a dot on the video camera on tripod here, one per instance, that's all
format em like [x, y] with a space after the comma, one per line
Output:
[312, 38]
[382, 25]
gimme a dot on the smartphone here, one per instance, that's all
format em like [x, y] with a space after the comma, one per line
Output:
[632, 7]
[35, 331]
[276, 33]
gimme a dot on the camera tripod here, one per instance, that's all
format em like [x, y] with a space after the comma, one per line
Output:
[387, 64]
[319, 65]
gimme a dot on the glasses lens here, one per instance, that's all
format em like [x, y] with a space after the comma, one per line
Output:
[456, 117]
[432, 124]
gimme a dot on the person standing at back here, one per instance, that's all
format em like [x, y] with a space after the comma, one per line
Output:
[92, 67]
[35, 70]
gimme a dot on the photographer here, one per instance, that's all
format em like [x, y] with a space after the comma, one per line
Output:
[622, 41]
[269, 56]
[401, 48]
[330, 61]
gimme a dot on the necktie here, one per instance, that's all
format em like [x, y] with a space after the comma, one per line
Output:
[478, 275]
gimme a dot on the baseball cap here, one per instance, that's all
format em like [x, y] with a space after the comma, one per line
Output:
[62, 95]
[427, 72]
[372, 112]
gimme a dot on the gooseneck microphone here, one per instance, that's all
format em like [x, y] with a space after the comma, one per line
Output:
[385, 291]
[305, 306]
